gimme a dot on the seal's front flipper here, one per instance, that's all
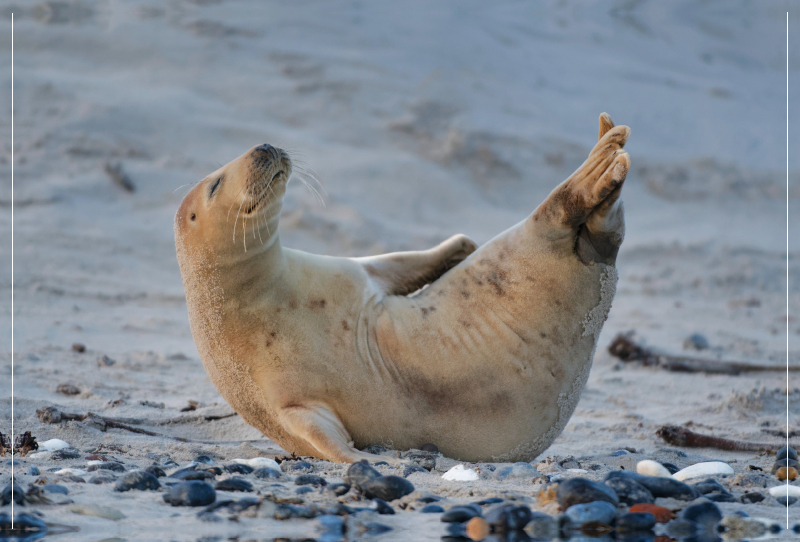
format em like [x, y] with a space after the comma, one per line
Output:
[401, 273]
[583, 213]
[319, 428]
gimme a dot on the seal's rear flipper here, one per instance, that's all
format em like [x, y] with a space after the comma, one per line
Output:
[401, 273]
[318, 427]
[583, 213]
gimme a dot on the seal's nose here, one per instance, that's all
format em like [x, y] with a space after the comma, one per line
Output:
[266, 147]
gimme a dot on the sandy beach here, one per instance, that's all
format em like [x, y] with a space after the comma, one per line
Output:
[419, 121]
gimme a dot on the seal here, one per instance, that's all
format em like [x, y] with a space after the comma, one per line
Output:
[481, 351]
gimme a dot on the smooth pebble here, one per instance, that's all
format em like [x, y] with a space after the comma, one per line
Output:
[239, 468]
[459, 514]
[33, 470]
[359, 473]
[581, 490]
[508, 517]
[259, 462]
[517, 470]
[587, 512]
[787, 452]
[137, 479]
[785, 491]
[235, 483]
[387, 488]
[648, 467]
[191, 493]
[95, 510]
[635, 521]
[659, 486]
[706, 514]
[460, 473]
[310, 480]
[431, 509]
[630, 491]
[267, 473]
[382, 507]
[708, 468]
[53, 445]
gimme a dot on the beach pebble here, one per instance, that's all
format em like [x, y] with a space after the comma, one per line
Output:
[239, 468]
[588, 512]
[787, 474]
[338, 489]
[619, 453]
[102, 477]
[648, 467]
[541, 526]
[191, 493]
[382, 507]
[33, 470]
[670, 467]
[98, 511]
[105, 465]
[460, 473]
[331, 525]
[304, 489]
[705, 514]
[192, 474]
[55, 488]
[236, 483]
[459, 514]
[66, 453]
[630, 491]
[155, 470]
[635, 521]
[709, 486]
[786, 501]
[783, 463]
[71, 471]
[266, 473]
[299, 466]
[27, 525]
[490, 500]
[411, 469]
[751, 497]
[310, 480]
[787, 452]
[659, 486]
[259, 462]
[737, 527]
[567, 474]
[709, 468]
[359, 473]
[137, 479]
[52, 445]
[204, 459]
[12, 492]
[785, 491]
[695, 341]
[508, 517]
[579, 490]
[662, 514]
[68, 389]
[387, 488]
[517, 470]
[432, 509]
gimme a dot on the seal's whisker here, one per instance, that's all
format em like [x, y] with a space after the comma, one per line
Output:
[237, 219]
[232, 204]
[311, 188]
[187, 184]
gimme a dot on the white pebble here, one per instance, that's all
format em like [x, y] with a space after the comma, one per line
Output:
[460, 473]
[97, 511]
[52, 445]
[708, 468]
[258, 462]
[648, 467]
[785, 491]
[75, 472]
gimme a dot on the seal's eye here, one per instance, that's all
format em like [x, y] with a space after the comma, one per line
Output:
[194, 216]
[214, 187]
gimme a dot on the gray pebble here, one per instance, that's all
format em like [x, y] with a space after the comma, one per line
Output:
[751, 497]
[303, 490]
[696, 341]
[190, 474]
[359, 473]
[787, 452]
[137, 479]
[658, 486]
[14, 493]
[234, 484]
[297, 466]
[33, 470]
[266, 473]
[66, 453]
[459, 514]
[239, 468]
[786, 500]
[107, 465]
[635, 521]
[204, 459]
[705, 514]
[387, 488]
[156, 471]
[598, 511]
[630, 491]
[508, 517]
[102, 477]
[517, 470]
[191, 493]
[55, 488]
[382, 507]
[338, 489]
[579, 490]
[310, 480]
[432, 509]
[619, 453]
[411, 469]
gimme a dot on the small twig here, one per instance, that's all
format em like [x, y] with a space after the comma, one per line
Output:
[115, 173]
[679, 436]
[624, 348]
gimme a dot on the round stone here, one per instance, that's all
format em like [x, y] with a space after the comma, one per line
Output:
[580, 490]
[591, 512]
[235, 483]
[137, 479]
[191, 493]
[387, 488]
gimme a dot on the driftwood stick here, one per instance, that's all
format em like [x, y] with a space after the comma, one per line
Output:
[679, 436]
[624, 348]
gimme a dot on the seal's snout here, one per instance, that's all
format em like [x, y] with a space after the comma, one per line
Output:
[264, 147]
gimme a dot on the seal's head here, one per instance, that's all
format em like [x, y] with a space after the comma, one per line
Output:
[235, 209]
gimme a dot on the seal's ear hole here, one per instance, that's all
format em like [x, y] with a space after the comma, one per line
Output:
[193, 216]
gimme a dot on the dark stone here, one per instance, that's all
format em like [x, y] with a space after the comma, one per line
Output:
[786, 452]
[234, 484]
[709, 486]
[591, 512]
[239, 468]
[635, 521]
[338, 489]
[751, 497]
[79, 347]
[508, 517]
[670, 467]
[459, 514]
[55, 488]
[720, 497]
[331, 526]
[27, 527]
[102, 477]
[376, 528]
[705, 514]
[432, 448]
[411, 469]
[429, 499]
[68, 389]
[785, 462]
[630, 491]
[33, 470]
[382, 507]
[12, 493]
[579, 490]
[301, 466]
[107, 465]
[387, 488]
[192, 474]
[359, 473]
[203, 459]
[378, 463]
[431, 509]
[137, 479]
[696, 341]
[490, 500]
[266, 473]
[619, 453]
[191, 493]
[289, 511]
[303, 490]
[658, 486]
[66, 453]
[156, 471]
[310, 480]
[786, 500]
